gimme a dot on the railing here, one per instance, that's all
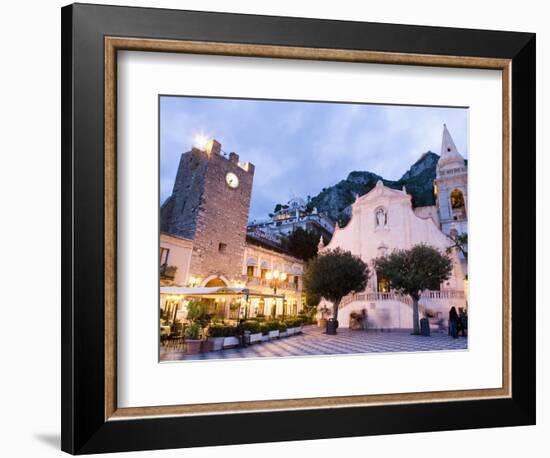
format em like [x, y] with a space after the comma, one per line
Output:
[449, 294]
[257, 281]
[377, 296]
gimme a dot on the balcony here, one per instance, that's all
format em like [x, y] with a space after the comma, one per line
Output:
[257, 281]
[168, 272]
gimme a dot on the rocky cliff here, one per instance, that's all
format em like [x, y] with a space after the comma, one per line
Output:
[418, 181]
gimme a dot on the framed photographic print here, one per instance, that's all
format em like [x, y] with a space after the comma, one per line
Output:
[271, 222]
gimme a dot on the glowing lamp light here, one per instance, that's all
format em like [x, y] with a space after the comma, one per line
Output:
[268, 276]
[283, 276]
[276, 274]
[200, 141]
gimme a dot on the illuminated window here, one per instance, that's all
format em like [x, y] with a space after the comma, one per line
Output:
[250, 271]
[383, 285]
[458, 207]
[457, 199]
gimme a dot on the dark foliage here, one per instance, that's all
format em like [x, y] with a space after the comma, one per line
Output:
[334, 274]
[414, 270]
[302, 244]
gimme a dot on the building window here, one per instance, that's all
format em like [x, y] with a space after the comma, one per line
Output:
[383, 285]
[164, 252]
[250, 271]
[263, 272]
[222, 247]
[458, 206]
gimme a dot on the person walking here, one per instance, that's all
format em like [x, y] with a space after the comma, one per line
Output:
[463, 320]
[363, 319]
[241, 333]
[453, 323]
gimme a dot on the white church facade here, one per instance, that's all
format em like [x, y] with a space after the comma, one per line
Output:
[384, 220]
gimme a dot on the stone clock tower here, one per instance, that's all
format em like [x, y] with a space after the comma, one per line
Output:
[209, 204]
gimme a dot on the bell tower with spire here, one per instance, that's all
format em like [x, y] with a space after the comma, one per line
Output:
[451, 187]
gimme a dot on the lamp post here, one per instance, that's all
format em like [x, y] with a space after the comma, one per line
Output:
[274, 277]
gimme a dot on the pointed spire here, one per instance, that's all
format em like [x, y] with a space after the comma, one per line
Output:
[449, 153]
[321, 244]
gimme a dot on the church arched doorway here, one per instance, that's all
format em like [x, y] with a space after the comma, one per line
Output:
[215, 282]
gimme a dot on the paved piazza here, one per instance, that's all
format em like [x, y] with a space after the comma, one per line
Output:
[314, 342]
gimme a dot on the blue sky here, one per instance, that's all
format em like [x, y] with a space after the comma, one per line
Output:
[299, 148]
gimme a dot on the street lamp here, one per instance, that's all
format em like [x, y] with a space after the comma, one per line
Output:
[274, 277]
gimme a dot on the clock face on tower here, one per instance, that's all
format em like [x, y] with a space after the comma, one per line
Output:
[232, 180]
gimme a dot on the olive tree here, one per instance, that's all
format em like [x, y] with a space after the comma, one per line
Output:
[334, 274]
[414, 270]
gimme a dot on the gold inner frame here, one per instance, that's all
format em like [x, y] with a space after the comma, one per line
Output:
[114, 44]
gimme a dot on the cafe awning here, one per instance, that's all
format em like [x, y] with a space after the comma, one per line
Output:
[215, 291]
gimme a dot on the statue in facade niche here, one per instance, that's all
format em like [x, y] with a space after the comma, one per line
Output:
[381, 219]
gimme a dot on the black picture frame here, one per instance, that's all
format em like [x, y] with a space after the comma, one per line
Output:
[84, 428]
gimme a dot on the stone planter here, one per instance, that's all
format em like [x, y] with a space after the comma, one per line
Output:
[192, 346]
[290, 331]
[256, 337]
[217, 343]
[265, 337]
[230, 342]
[206, 346]
[283, 334]
[273, 334]
[322, 322]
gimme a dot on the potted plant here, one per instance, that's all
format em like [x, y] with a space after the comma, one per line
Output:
[192, 338]
[264, 329]
[230, 338]
[298, 324]
[254, 328]
[273, 327]
[324, 311]
[216, 336]
[282, 329]
[197, 312]
[290, 330]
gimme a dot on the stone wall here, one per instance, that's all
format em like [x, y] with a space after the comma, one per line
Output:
[205, 209]
[179, 213]
[220, 234]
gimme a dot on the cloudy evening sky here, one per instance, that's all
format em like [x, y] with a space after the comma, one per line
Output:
[299, 148]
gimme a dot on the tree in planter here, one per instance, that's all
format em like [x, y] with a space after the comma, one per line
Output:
[412, 271]
[333, 275]
[193, 331]
[197, 312]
